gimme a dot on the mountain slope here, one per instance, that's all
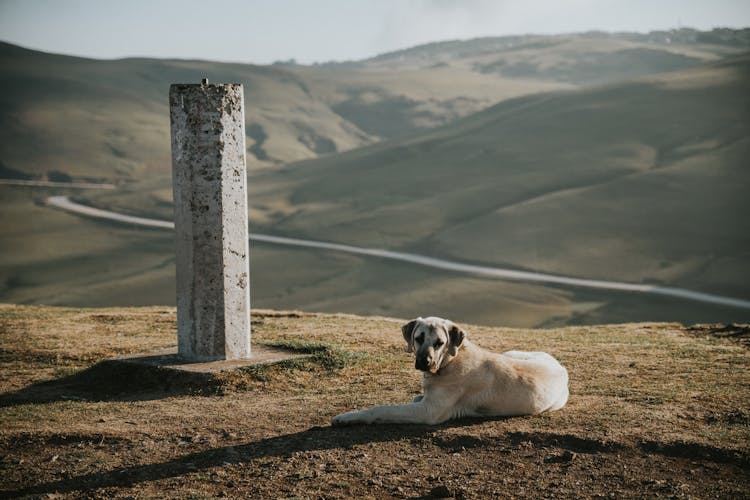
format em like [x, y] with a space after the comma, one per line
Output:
[642, 180]
[108, 119]
[637, 181]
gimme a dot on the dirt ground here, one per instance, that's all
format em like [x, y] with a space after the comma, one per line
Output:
[656, 410]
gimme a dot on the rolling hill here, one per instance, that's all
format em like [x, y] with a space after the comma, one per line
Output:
[639, 181]
[109, 119]
[638, 175]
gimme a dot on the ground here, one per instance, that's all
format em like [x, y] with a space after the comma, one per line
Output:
[657, 410]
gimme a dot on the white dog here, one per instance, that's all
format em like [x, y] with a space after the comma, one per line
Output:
[463, 380]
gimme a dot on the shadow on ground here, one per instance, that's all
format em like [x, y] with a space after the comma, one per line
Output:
[313, 439]
[328, 438]
[160, 376]
[112, 380]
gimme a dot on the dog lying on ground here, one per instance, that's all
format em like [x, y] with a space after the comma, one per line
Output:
[463, 380]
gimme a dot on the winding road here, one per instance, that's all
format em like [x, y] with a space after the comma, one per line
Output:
[67, 185]
[64, 203]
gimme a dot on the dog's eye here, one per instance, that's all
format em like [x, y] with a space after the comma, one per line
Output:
[418, 338]
[438, 343]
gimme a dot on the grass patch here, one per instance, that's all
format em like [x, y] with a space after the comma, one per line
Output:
[322, 358]
[328, 356]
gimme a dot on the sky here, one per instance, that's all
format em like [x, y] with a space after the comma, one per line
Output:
[264, 31]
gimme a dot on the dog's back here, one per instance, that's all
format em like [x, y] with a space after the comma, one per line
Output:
[546, 378]
[508, 384]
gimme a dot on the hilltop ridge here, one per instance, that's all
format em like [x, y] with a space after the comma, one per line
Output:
[296, 112]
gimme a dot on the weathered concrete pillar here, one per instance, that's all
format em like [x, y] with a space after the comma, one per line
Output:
[210, 209]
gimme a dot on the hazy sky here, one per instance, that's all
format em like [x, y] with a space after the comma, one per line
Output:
[262, 31]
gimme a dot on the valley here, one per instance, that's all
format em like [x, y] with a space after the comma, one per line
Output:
[636, 176]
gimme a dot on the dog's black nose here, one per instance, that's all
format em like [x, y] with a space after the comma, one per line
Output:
[421, 364]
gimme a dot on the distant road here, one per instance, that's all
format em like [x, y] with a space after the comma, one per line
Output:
[63, 203]
[73, 185]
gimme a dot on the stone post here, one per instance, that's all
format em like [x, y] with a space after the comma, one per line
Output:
[210, 210]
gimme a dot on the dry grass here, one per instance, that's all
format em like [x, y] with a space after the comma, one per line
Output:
[656, 409]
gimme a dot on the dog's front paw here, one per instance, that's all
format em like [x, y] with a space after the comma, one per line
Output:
[349, 418]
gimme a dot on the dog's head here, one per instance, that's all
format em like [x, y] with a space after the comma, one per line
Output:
[435, 341]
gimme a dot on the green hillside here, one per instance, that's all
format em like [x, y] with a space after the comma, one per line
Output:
[108, 118]
[640, 180]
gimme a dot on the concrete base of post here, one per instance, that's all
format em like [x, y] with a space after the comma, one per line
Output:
[166, 371]
[170, 359]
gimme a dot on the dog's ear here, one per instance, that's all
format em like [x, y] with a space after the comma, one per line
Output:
[408, 331]
[457, 336]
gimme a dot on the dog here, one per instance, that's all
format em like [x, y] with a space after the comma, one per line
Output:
[463, 380]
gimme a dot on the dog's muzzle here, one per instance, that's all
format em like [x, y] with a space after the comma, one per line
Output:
[422, 364]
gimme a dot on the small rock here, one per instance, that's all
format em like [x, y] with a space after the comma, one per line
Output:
[564, 457]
